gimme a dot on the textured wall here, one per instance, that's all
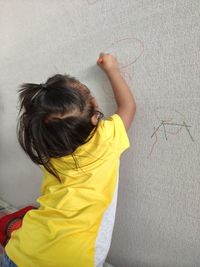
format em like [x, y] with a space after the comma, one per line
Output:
[157, 44]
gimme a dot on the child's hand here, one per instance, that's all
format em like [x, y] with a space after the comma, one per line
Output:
[107, 63]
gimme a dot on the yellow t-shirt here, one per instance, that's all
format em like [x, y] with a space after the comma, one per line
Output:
[63, 230]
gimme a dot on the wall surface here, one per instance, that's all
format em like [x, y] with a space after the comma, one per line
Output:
[158, 46]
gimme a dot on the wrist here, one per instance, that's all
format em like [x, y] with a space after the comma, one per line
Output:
[111, 72]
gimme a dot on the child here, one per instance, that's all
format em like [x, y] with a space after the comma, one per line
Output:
[61, 129]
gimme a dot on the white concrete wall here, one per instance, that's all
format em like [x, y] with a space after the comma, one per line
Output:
[157, 43]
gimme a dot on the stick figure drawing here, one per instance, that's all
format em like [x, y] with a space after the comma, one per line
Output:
[170, 123]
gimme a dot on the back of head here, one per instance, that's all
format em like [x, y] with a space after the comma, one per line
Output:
[55, 118]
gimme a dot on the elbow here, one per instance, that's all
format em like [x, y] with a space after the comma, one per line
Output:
[134, 109]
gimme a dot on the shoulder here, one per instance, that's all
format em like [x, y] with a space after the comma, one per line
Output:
[113, 130]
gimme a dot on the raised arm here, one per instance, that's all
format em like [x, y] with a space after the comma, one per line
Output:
[126, 106]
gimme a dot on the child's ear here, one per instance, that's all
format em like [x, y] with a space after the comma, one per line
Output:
[94, 119]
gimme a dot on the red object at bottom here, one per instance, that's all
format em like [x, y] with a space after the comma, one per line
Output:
[12, 222]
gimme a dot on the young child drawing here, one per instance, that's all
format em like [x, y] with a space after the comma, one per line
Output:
[61, 129]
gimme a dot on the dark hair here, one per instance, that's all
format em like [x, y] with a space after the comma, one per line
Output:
[54, 119]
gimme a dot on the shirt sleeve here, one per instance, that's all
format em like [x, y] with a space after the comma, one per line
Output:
[115, 133]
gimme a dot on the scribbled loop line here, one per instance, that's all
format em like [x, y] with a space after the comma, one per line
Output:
[125, 39]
